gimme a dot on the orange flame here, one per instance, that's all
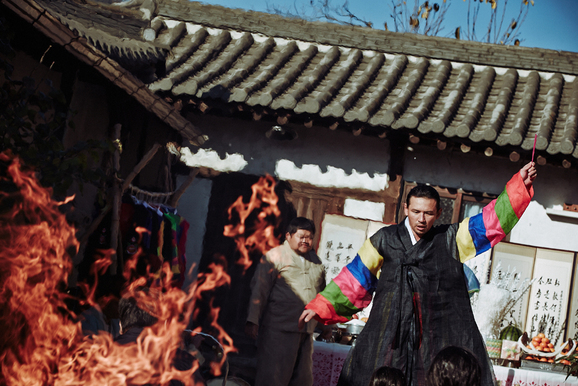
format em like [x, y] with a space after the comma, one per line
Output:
[214, 277]
[262, 239]
[34, 266]
[42, 341]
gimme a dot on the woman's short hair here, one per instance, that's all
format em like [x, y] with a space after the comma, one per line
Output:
[454, 366]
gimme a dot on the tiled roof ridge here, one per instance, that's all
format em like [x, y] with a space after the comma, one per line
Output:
[364, 38]
[487, 96]
[125, 49]
[125, 46]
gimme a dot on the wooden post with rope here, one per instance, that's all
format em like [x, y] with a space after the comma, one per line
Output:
[181, 190]
[116, 201]
[121, 186]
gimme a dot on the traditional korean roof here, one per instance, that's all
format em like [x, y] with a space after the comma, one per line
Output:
[86, 50]
[365, 80]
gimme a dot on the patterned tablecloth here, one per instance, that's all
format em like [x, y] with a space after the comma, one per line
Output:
[525, 377]
[328, 360]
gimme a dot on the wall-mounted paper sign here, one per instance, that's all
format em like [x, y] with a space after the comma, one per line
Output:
[550, 293]
[480, 266]
[341, 238]
[519, 260]
[572, 327]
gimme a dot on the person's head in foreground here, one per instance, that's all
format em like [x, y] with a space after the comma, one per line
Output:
[454, 366]
[387, 376]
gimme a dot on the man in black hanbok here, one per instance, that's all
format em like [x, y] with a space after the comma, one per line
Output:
[421, 303]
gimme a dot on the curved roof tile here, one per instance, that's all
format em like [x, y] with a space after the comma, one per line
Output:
[449, 89]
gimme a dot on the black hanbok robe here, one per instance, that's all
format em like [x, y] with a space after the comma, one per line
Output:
[421, 303]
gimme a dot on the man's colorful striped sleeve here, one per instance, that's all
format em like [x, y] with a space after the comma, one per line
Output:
[479, 233]
[352, 288]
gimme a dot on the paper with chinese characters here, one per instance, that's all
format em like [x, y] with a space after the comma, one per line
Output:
[572, 327]
[550, 294]
[341, 238]
[518, 259]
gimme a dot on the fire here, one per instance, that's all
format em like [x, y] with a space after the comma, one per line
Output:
[42, 341]
[34, 267]
[262, 238]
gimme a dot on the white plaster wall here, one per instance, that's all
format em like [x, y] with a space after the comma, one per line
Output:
[448, 168]
[553, 187]
[538, 229]
[194, 206]
[318, 146]
[315, 146]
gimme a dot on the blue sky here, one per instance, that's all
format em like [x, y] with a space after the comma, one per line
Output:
[551, 24]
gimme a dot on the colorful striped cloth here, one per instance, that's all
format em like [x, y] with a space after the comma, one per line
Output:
[351, 290]
[481, 232]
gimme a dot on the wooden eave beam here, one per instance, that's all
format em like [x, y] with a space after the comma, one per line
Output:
[48, 25]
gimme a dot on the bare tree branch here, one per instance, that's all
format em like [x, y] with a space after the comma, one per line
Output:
[497, 31]
[419, 16]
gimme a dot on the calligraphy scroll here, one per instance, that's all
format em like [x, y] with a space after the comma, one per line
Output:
[572, 327]
[519, 260]
[549, 295]
[341, 238]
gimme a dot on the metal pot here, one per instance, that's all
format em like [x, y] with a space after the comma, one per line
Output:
[351, 328]
[354, 329]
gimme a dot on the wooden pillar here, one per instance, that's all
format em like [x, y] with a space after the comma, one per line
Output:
[116, 201]
[181, 190]
[143, 162]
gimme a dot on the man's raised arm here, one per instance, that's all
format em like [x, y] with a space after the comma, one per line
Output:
[528, 174]
[481, 232]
